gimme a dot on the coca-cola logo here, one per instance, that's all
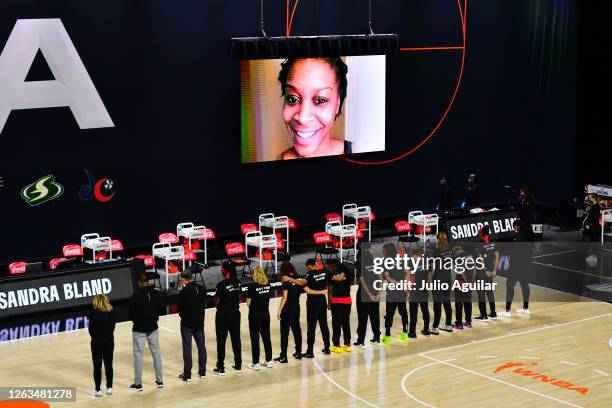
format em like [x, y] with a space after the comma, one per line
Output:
[54, 263]
[117, 246]
[148, 259]
[209, 234]
[322, 238]
[246, 228]
[235, 249]
[168, 237]
[73, 250]
[402, 226]
[17, 267]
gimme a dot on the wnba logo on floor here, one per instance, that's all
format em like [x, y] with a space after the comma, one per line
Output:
[520, 370]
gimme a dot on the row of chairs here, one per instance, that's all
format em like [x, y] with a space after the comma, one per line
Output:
[70, 254]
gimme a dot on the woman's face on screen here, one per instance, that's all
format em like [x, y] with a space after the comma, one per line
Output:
[311, 103]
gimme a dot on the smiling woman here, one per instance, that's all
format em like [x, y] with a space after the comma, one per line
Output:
[313, 90]
[325, 107]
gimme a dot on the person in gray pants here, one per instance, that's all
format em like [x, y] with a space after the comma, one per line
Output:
[145, 307]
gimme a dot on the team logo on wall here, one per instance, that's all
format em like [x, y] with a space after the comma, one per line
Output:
[42, 190]
[103, 190]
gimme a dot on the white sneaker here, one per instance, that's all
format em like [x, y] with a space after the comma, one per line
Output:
[254, 367]
[109, 391]
[523, 311]
[269, 364]
[96, 393]
[504, 314]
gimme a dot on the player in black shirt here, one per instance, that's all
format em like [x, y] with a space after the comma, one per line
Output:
[591, 223]
[227, 319]
[339, 295]
[395, 299]
[192, 304]
[442, 276]
[419, 298]
[368, 299]
[101, 329]
[258, 301]
[519, 264]
[463, 296]
[490, 256]
[289, 313]
[316, 305]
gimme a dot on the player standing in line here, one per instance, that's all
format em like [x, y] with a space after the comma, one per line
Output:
[368, 299]
[490, 256]
[258, 301]
[339, 296]
[396, 299]
[314, 282]
[419, 297]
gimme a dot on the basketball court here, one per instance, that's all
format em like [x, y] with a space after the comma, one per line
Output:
[559, 344]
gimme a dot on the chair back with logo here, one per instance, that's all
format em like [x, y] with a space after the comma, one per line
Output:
[246, 228]
[168, 237]
[235, 249]
[17, 268]
[333, 217]
[72, 251]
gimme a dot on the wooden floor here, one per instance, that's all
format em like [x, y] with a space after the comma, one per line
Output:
[570, 342]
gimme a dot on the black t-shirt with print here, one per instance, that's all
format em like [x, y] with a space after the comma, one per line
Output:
[260, 297]
[228, 292]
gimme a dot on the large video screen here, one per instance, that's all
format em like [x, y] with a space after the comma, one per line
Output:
[312, 107]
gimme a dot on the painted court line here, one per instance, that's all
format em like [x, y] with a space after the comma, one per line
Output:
[568, 363]
[331, 380]
[166, 329]
[502, 382]
[408, 393]
[538, 329]
[531, 358]
[571, 270]
[554, 253]
[601, 373]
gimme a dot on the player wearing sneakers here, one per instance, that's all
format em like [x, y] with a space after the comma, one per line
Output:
[368, 299]
[289, 313]
[192, 303]
[144, 310]
[519, 264]
[463, 294]
[490, 256]
[314, 284]
[442, 276]
[227, 319]
[339, 295]
[258, 301]
[419, 297]
[396, 299]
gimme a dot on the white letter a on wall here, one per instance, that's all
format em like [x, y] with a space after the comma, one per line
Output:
[72, 86]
